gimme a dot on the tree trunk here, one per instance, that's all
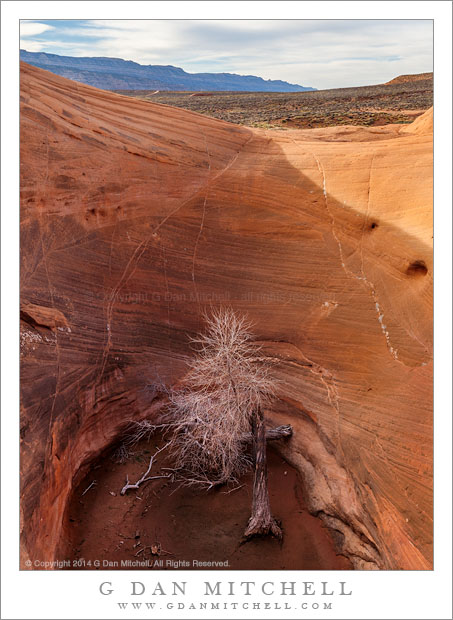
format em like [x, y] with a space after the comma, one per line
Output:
[261, 522]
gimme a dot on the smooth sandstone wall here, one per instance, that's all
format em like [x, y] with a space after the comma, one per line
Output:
[137, 217]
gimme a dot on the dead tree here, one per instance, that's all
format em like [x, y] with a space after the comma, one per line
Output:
[218, 412]
[261, 521]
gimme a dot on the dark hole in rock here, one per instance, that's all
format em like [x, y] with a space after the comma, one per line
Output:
[417, 268]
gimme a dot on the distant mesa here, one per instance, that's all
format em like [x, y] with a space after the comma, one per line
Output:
[414, 77]
[119, 74]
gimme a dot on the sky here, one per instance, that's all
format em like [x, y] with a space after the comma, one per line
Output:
[317, 53]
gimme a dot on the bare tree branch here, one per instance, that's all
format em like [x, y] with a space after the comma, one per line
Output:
[272, 434]
[145, 477]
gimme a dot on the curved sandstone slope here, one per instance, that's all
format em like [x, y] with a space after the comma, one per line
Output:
[136, 217]
[422, 126]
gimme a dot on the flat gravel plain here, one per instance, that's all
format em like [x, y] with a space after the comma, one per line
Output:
[366, 105]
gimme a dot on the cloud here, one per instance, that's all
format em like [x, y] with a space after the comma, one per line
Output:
[32, 46]
[320, 53]
[30, 29]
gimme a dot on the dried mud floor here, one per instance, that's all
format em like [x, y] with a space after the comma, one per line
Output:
[162, 526]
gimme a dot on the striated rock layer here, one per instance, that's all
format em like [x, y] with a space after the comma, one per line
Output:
[136, 217]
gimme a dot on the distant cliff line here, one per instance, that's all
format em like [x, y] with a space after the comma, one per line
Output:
[412, 77]
[119, 74]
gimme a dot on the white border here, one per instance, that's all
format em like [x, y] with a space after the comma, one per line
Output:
[405, 594]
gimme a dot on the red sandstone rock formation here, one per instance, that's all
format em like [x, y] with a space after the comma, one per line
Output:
[137, 216]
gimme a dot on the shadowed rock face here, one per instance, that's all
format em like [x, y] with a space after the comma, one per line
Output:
[137, 217]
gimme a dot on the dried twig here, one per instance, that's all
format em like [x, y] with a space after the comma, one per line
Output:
[155, 549]
[122, 454]
[89, 487]
[143, 429]
[145, 477]
[233, 490]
